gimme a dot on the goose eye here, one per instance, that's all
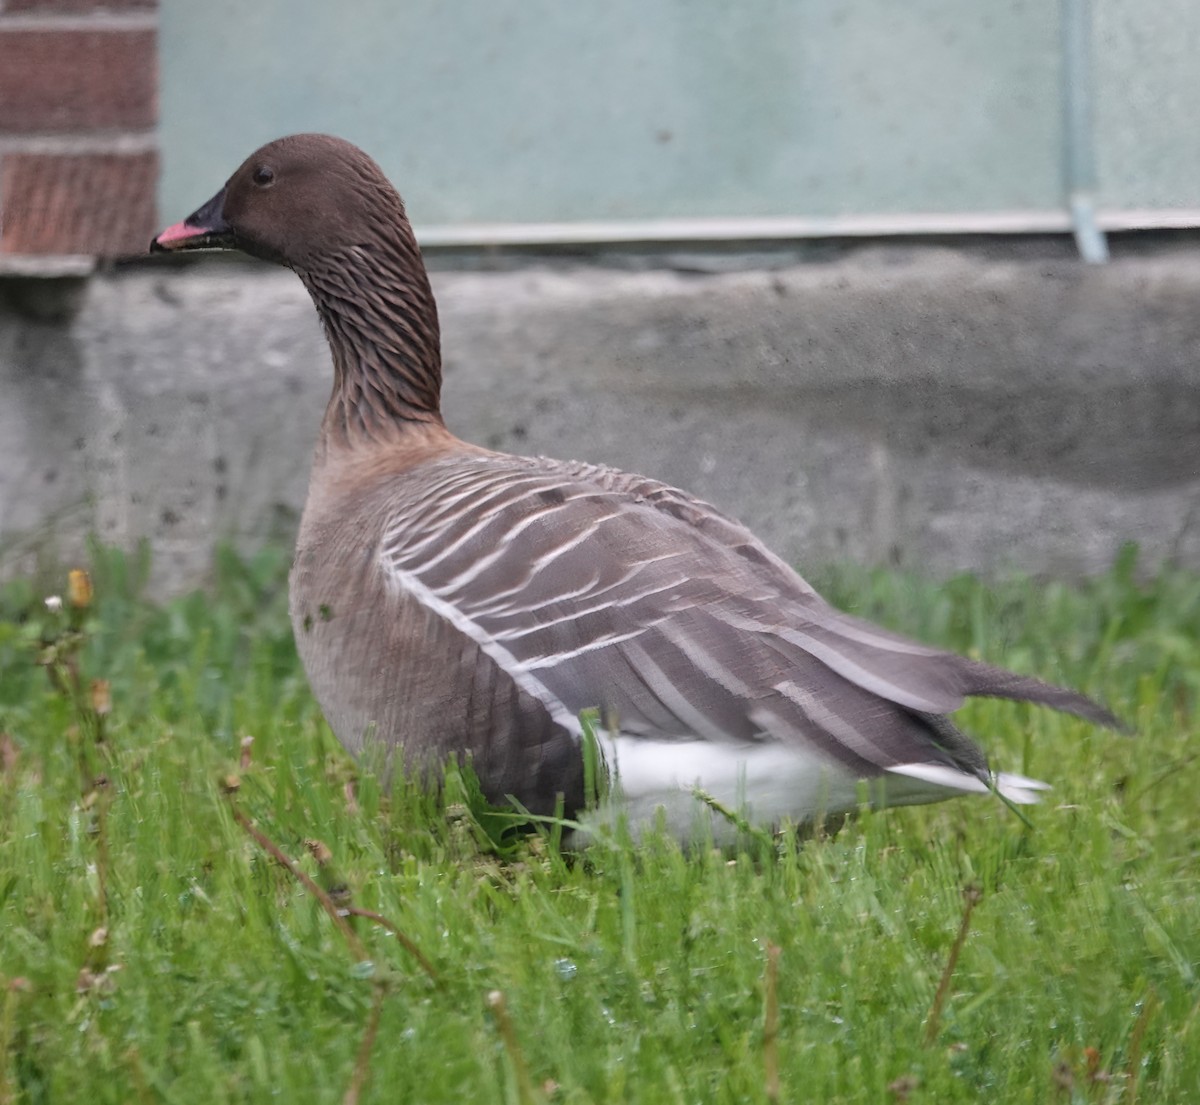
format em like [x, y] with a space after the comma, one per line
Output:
[264, 177]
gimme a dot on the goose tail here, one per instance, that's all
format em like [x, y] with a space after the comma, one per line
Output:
[988, 681]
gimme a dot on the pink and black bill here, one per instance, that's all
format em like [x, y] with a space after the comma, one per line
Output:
[205, 228]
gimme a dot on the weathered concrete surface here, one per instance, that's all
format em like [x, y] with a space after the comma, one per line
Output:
[938, 408]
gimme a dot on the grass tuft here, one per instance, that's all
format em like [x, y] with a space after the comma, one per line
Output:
[152, 950]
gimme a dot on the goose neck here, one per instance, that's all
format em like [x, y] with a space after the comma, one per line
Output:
[381, 322]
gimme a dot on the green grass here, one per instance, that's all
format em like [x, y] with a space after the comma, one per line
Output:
[635, 974]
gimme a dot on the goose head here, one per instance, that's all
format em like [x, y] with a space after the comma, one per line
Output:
[298, 201]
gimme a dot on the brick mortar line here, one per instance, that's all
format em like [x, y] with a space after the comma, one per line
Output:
[45, 265]
[96, 21]
[140, 141]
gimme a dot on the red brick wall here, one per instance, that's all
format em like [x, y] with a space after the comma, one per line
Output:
[78, 108]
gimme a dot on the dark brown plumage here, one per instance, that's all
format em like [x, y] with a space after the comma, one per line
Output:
[451, 600]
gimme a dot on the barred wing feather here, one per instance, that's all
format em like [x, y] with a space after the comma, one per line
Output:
[593, 588]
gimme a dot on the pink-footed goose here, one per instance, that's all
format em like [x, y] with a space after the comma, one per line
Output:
[451, 600]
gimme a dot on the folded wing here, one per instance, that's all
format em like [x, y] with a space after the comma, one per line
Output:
[592, 588]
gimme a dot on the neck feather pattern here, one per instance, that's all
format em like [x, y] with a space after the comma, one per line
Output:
[381, 321]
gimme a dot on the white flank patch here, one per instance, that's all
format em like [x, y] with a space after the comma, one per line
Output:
[765, 783]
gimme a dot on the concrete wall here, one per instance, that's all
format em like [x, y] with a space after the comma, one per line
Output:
[941, 408]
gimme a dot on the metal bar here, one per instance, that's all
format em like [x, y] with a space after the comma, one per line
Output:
[1078, 146]
[768, 229]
